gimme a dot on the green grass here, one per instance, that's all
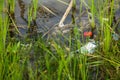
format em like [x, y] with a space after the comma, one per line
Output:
[56, 60]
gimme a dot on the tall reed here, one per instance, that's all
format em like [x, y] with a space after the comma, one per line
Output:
[32, 12]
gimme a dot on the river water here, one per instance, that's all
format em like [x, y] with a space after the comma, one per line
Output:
[46, 20]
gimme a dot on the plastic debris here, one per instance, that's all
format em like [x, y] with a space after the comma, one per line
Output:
[89, 48]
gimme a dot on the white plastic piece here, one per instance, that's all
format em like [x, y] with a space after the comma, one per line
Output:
[88, 48]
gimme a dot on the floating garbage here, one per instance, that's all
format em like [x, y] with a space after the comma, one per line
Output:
[89, 47]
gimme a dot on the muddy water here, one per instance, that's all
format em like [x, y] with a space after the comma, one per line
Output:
[45, 20]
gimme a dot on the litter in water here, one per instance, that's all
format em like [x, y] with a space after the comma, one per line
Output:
[89, 47]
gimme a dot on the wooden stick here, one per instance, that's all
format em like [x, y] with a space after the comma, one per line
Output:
[65, 14]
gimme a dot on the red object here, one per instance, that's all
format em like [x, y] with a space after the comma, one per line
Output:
[88, 34]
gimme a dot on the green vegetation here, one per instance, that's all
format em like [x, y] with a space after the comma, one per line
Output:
[40, 59]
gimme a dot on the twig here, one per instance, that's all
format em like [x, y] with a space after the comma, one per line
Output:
[46, 8]
[65, 14]
[63, 2]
